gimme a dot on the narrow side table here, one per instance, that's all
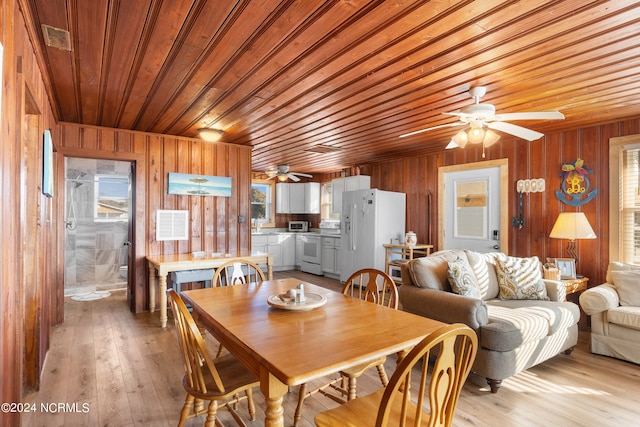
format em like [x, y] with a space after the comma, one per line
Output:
[403, 254]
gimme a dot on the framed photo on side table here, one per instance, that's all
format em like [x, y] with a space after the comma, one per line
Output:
[567, 267]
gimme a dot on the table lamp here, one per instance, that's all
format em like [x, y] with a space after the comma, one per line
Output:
[572, 226]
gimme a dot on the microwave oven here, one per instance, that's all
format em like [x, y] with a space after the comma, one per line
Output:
[299, 226]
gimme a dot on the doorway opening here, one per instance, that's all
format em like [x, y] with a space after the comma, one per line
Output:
[98, 201]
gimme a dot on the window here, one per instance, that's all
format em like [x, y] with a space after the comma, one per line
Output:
[326, 205]
[111, 198]
[624, 212]
[262, 203]
[630, 206]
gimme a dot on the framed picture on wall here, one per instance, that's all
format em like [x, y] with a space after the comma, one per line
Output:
[199, 185]
[567, 267]
[47, 165]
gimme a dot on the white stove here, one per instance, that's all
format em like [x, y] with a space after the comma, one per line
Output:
[330, 227]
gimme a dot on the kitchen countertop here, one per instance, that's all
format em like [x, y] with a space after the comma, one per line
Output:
[312, 232]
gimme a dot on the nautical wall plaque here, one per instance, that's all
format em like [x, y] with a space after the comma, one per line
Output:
[575, 186]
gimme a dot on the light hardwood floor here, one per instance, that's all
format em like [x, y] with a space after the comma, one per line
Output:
[122, 369]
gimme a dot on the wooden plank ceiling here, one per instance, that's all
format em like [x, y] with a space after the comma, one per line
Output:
[291, 76]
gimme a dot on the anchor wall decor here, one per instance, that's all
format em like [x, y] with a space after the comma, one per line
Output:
[575, 184]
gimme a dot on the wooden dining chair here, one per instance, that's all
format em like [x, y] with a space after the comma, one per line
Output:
[220, 383]
[237, 273]
[371, 285]
[403, 402]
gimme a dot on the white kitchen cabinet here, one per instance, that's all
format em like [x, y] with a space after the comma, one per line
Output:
[331, 256]
[299, 250]
[302, 198]
[288, 243]
[297, 198]
[349, 183]
[280, 245]
[260, 243]
[282, 197]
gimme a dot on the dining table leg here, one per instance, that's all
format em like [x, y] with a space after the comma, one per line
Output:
[163, 300]
[152, 288]
[273, 390]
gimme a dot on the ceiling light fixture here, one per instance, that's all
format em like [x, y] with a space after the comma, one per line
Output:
[474, 135]
[210, 135]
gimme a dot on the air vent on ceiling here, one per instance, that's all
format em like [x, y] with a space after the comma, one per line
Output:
[323, 149]
[172, 225]
[56, 37]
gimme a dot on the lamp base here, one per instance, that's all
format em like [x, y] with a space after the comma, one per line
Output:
[571, 250]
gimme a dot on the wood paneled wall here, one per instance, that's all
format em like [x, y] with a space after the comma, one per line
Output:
[418, 177]
[28, 224]
[214, 221]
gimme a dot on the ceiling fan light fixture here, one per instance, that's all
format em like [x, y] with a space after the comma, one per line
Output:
[476, 135]
[460, 139]
[490, 138]
[210, 134]
[282, 178]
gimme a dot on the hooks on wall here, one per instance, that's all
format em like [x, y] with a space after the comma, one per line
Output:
[526, 186]
[530, 185]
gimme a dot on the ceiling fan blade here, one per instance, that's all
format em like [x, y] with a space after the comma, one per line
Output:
[292, 177]
[519, 131]
[271, 177]
[531, 115]
[432, 128]
[302, 174]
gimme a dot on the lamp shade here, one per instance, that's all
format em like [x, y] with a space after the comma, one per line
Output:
[476, 135]
[572, 226]
[461, 139]
[490, 138]
[210, 135]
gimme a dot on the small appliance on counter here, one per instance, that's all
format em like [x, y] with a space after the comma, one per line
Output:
[301, 226]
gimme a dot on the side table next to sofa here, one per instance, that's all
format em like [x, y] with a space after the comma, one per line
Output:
[578, 286]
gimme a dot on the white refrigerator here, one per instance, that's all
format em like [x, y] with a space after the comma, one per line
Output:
[370, 218]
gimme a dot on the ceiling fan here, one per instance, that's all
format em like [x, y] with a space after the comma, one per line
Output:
[479, 116]
[282, 174]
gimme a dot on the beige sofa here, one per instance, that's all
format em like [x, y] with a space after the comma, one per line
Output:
[513, 334]
[614, 308]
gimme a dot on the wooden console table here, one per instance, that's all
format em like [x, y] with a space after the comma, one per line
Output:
[406, 252]
[161, 265]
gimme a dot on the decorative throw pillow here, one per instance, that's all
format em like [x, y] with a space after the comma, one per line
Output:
[520, 278]
[462, 279]
[627, 285]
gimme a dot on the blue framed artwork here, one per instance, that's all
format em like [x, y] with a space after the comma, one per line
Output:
[47, 165]
[199, 185]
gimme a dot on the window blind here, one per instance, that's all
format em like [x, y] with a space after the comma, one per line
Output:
[630, 206]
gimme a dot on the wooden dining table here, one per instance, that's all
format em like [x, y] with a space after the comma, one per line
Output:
[285, 348]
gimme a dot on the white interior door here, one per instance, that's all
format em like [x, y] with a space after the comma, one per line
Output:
[472, 212]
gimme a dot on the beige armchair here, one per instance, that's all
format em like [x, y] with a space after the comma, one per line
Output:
[614, 308]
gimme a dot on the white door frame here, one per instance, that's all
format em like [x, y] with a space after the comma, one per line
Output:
[503, 164]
